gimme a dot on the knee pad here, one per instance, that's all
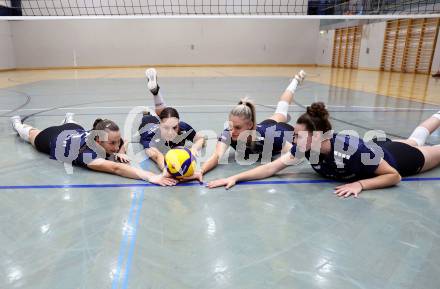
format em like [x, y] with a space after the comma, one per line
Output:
[282, 108]
[419, 135]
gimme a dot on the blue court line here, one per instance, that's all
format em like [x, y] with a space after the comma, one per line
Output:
[123, 248]
[419, 179]
[133, 241]
[191, 184]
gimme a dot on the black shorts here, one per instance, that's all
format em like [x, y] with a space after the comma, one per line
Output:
[43, 139]
[409, 160]
[282, 126]
[149, 119]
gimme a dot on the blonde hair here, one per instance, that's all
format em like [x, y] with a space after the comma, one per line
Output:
[245, 109]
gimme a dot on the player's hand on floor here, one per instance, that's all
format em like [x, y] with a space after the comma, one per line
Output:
[195, 153]
[227, 183]
[123, 158]
[345, 191]
[198, 176]
[163, 180]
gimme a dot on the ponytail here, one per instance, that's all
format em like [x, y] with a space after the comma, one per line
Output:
[316, 118]
[105, 124]
[245, 109]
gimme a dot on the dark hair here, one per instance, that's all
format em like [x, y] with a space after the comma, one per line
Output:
[168, 112]
[105, 124]
[316, 118]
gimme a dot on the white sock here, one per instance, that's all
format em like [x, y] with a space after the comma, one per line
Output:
[437, 115]
[22, 130]
[293, 85]
[419, 135]
[158, 100]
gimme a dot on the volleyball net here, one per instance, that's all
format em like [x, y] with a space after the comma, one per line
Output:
[214, 7]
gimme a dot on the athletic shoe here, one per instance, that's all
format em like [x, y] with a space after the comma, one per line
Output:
[300, 76]
[151, 75]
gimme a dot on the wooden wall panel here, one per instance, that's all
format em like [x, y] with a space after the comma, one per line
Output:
[346, 47]
[409, 45]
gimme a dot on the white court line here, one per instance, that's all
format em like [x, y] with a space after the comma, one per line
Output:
[409, 244]
[110, 107]
[115, 107]
[218, 105]
[396, 108]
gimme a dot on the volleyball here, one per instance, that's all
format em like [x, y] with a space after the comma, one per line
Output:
[180, 162]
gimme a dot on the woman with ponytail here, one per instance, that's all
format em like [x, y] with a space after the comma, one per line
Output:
[261, 141]
[165, 130]
[362, 164]
[100, 149]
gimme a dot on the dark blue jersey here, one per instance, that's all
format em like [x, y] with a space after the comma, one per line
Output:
[350, 158]
[72, 146]
[271, 137]
[151, 136]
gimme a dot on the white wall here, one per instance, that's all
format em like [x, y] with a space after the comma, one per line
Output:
[324, 51]
[7, 58]
[58, 43]
[436, 60]
[372, 38]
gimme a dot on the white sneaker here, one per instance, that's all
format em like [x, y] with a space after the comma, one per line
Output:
[151, 75]
[16, 119]
[301, 76]
[68, 118]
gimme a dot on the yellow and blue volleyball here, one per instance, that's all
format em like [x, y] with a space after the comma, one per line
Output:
[180, 162]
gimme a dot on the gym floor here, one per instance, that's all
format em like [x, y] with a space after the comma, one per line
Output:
[94, 230]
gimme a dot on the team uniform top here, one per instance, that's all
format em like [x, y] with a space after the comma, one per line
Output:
[151, 136]
[267, 130]
[351, 158]
[68, 143]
